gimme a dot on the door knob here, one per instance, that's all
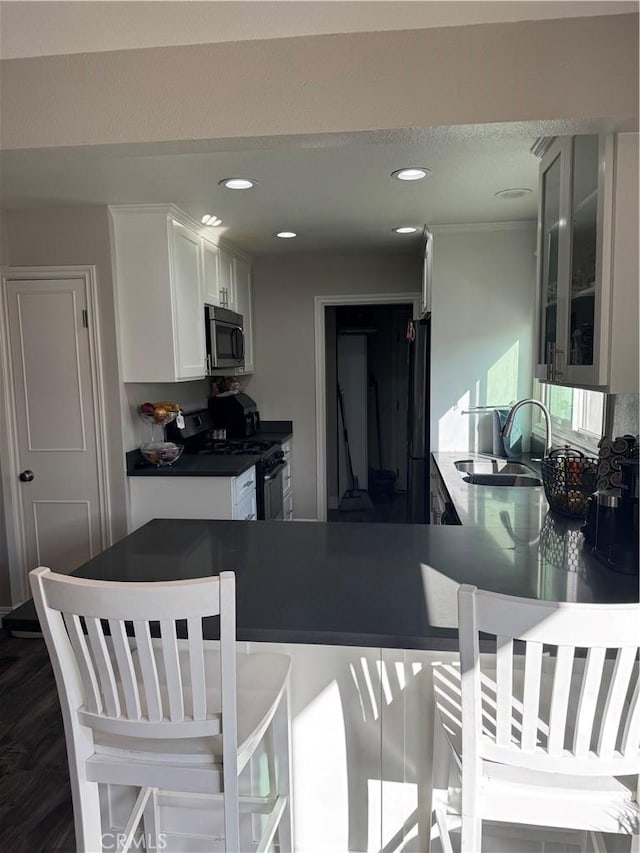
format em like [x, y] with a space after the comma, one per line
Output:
[27, 476]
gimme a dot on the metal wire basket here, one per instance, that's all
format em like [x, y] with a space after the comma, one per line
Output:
[569, 477]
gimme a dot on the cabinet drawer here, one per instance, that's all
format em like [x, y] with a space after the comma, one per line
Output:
[287, 482]
[287, 507]
[244, 485]
[246, 509]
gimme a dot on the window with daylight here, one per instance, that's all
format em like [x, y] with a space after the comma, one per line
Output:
[577, 415]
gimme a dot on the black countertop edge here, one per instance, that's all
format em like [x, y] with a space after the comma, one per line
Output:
[191, 465]
[24, 619]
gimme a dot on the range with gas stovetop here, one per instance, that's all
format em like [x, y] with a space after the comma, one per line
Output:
[199, 438]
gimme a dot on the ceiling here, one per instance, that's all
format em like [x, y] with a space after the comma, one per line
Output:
[334, 191]
[338, 196]
[31, 28]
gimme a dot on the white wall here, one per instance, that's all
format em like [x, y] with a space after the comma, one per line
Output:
[550, 71]
[283, 311]
[483, 312]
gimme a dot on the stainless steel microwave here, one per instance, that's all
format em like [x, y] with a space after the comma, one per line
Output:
[225, 338]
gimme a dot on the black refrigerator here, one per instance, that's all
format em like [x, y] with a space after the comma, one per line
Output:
[418, 426]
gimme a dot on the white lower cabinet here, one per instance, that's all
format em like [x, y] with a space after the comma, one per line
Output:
[246, 510]
[192, 497]
[362, 720]
[287, 483]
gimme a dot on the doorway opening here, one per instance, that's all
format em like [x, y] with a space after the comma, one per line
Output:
[366, 385]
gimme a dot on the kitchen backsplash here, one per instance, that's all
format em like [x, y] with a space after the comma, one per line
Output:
[626, 414]
[189, 395]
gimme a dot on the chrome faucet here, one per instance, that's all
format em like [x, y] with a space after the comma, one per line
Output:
[508, 424]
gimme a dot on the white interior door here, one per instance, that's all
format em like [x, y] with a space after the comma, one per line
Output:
[56, 448]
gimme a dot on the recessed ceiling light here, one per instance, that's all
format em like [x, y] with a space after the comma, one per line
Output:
[405, 229]
[411, 173]
[211, 219]
[238, 183]
[514, 192]
[206, 219]
[286, 235]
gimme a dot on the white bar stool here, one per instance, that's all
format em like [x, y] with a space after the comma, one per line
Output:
[166, 714]
[535, 733]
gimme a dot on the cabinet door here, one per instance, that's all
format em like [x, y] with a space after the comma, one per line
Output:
[553, 259]
[242, 288]
[246, 509]
[588, 297]
[188, 314]
[210, 273]
[226, 288]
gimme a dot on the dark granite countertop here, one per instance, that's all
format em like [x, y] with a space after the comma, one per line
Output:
[517, 517]
[377, 585]
[209, 466]
[191, 465]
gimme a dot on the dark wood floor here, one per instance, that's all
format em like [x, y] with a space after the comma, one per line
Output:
[35, 799]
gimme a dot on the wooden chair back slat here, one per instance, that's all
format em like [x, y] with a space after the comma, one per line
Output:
[613, 709]
[148, 671]
[589, 690]
[85, 664]
[531, 695]
[196, 669]
[557, 623]
[126, 671]
[560, 692]
[631, 733]
[133, 601]
[504, 689]
[103, 667]
[173, 678]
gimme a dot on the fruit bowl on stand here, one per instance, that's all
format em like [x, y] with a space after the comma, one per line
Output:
[157, 451]
[161, 453]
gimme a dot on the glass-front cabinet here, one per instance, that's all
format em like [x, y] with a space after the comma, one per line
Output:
[573, 261]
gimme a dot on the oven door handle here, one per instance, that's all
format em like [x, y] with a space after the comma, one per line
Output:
[277, 470]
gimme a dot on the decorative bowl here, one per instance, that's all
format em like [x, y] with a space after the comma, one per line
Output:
[161, 453]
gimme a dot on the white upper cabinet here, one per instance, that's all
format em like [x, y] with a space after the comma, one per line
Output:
[226, 288]
[165, 273]
[242, 292]
[584, 181]
[210, 273]
[159, 294]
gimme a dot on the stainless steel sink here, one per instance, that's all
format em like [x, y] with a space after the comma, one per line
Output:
[491, 466]
[496, 472]
[522, 480]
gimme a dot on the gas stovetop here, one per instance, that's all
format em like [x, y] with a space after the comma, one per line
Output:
[235, 447]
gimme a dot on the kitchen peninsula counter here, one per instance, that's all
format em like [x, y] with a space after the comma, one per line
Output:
[350, 584]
